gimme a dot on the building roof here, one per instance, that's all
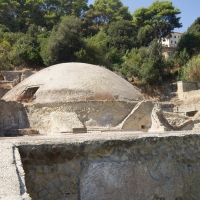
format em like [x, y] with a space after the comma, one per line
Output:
[74, 82]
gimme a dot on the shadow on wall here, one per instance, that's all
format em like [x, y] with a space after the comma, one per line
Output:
[12, 116]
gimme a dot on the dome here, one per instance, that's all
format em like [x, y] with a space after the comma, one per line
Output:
[73, 82]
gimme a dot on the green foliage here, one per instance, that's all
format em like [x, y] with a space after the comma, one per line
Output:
[191, 70]
[191, 39]
[122, 35]
[111, 10]
[7, 41]
[27, 48]
[181, 58]
[156, 21]
[103, 12]
[145, 63]
[5, 48]
[63, 42]
[18, 15]
[95, 50]
[195, 26]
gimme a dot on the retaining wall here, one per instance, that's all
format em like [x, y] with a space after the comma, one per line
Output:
[114, 166]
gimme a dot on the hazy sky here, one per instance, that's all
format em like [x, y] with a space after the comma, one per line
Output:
[190, 9]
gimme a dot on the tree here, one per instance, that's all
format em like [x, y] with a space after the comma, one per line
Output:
[122, 35]
[27, 49]
[111, 9]
[195, 27]
[191, 39]
[145, 63]
[64, 41]
[103, 12]
[157, 21]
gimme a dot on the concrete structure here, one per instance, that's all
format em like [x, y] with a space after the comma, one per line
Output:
[124, 153]
[172, 41]
[78, 97]
[69, 97]
[74, 82]
[118, 165]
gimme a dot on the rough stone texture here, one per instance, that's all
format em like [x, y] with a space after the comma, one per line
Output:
[90, 113]
[3, 92]
[12, 116]
[140, 117]
[130, 180]
[76, 81]
[169, 121]
[149, 166]
[26, 73]
[12, 75]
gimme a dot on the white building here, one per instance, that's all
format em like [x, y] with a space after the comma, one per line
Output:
[172, 41]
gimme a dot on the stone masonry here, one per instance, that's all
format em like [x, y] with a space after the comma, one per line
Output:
[127, 165]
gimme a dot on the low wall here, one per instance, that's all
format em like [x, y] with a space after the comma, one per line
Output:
[187, 90]
[113, 166]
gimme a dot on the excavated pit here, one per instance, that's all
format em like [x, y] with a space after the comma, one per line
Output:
[120, 165]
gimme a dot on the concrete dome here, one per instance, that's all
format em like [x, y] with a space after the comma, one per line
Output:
[74, 81]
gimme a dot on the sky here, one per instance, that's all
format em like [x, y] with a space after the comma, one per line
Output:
[190, 9]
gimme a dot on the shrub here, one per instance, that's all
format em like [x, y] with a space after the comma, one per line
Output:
[191, 70]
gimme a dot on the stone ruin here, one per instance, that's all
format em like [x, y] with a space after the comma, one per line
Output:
[89, 134]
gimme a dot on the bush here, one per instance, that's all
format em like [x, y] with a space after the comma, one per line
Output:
[191, 70]
[145, 63]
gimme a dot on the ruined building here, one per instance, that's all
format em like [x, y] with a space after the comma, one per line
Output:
[125, 147]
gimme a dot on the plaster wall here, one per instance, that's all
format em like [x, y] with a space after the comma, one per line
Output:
[142, 167]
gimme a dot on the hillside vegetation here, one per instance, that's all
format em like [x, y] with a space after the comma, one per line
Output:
[42, 33]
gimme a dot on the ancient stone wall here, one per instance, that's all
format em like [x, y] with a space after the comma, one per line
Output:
[187, 90]
[89, 113]
[12, 116]
[8, 79]
[150, 168]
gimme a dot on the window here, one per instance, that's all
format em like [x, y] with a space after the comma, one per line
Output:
[28, 94]
[175, 42]
[174, 36]
[172, 42]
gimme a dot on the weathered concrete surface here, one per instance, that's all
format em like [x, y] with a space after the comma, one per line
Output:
[12, 184]
[90, 113]
[155, 166]
[65, 122]
[76, 81]
[140, 117]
